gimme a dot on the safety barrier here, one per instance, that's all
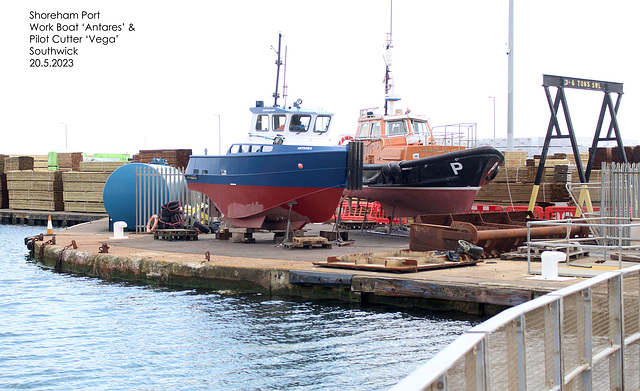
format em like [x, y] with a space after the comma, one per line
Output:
[486, 208]
[365, 212]
[548, 213]
[538, 211]
[583, 337]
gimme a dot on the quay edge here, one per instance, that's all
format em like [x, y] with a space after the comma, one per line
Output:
[399, 290]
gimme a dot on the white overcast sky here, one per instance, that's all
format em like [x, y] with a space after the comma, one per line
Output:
[164, 85]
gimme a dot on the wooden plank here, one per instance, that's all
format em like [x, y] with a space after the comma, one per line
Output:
[84, 196]
[76, 176]
[88, 207]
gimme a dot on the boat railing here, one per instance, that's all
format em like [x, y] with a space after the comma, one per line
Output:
[461, 135]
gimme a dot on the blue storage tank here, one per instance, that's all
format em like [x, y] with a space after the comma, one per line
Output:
[119, 194]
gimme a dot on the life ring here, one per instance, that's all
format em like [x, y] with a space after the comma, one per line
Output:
[345, 139]
[152, 220]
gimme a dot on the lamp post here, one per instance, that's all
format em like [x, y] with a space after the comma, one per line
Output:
[219, 136]
[494, 117]
[66, 148]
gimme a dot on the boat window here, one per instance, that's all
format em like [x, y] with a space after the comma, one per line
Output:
[235, 149]
[262, 123]
[375, 129]
[267, 148]
[420, 127]
[255, 148]
[322, 124]
[396, 127]
[363, 132]
[299, 123]
[278, 121]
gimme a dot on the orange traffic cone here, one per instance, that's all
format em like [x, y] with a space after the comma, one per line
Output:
[49, 227]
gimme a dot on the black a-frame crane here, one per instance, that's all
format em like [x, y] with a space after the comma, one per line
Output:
[613, 132]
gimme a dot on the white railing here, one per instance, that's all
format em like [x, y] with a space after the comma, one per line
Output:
[156, 185]
[583, 337]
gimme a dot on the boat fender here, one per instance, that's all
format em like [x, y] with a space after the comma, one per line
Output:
[392, 172]
[152, 224]
[278, 140]
[493, 175]
[345, 139]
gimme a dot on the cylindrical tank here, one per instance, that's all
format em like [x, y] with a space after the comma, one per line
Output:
[158, 184]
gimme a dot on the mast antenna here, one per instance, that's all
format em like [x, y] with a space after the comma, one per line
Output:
[278, 63]
[284, 78]
[390, 97]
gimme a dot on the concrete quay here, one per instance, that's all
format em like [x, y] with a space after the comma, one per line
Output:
[262, 267]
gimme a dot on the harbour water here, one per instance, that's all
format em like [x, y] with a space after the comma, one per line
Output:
[61, 332]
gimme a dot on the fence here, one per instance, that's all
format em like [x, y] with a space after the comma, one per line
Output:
[156, 185]
[620, 190]
[582, 337]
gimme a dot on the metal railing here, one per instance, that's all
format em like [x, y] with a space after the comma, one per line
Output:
[620, 190]
[157, 184]
[586, 336]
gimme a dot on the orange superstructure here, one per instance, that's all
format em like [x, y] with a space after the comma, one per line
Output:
[406, 136]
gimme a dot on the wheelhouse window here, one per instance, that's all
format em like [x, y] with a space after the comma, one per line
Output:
[420, 127]
[299, 123]
[363, 131]
[395, 128]
[375, 129]
[262, 123]
[322, 124]
[278, 121]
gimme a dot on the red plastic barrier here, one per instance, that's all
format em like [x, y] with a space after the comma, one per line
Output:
[559, 212]
[538, 212]
[486, 208]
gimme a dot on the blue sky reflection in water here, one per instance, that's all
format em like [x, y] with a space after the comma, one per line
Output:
[59, 331]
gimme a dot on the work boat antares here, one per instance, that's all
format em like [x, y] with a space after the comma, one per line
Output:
[285, 175]
[411, 169]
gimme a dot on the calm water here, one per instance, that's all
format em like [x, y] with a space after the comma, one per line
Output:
[63, 332]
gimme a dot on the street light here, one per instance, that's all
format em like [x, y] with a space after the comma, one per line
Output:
[219, 136]
[66, 148]
[494, 117]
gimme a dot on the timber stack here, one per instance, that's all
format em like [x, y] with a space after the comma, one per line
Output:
[67, 181]
[515, 180]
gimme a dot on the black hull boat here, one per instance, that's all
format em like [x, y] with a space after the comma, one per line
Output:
[446, 183]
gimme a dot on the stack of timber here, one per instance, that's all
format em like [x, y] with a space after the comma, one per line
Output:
[35, 190]
[4, 191]
[83, 191]
[515, 183]
[16, 163]
[178, 158]
[514, 158]
[69, 161]
[101, 166]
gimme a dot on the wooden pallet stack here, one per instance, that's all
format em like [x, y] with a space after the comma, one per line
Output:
[69, 161]
[83, 190]
[4, 191]
[514, 183]
[178, 158]
[35, 190]
[16, 163]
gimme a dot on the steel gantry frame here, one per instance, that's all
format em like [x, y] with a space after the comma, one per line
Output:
[613, 132]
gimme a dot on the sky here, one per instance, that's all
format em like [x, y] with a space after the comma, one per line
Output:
[184, 74]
